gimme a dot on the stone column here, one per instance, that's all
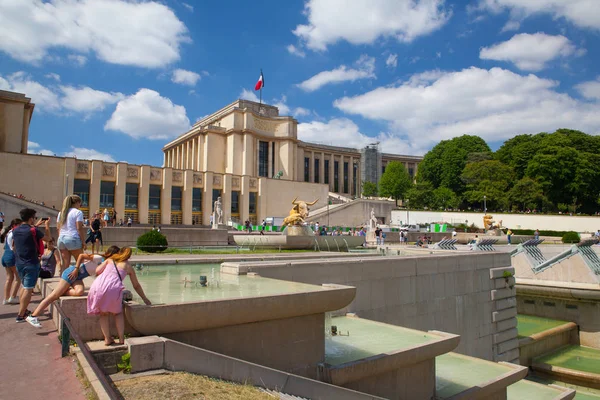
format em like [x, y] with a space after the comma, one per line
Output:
[165, 196]
[277, 157]
[311, 167]
[144, 194]
[186, 201]
[192, 153]
[331, 169]
[120, 185]
[244, 198]
[226, 197]
[200, 163]
[350, 175]
[247, 155]
[269, 160]
[261, 203]
[207, 204]
[341, 174]
[95, 179]
[322, 168]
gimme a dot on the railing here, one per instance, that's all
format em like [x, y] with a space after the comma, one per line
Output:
[67, 333]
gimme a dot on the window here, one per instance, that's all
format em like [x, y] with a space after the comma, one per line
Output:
[131, 196]
[306, 169]
[382, 169]
[263, 158]
[252, 203]
[197, 200]
[326, 172]
[176, 198]
[317, 170]
[176, 218]
[354, 178]
[216, 195]
[336, 175]
[154, 197]
[107, 194]
[345, 177]
[411, 171]
[81, 187]
[273, 159]
[154, 218]
[235, 203]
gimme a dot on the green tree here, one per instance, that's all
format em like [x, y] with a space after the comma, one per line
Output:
[443, 165]
[395, 181]
[420, 195]
[518, 151]
[444, 198]
[527, 193]
[489, 178]
[369, 189]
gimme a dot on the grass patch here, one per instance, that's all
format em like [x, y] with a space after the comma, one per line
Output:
[186, 386]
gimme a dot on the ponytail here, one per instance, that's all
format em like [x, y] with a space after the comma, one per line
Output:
[68, 203]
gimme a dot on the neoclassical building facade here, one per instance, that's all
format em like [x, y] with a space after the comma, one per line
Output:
[245, 153]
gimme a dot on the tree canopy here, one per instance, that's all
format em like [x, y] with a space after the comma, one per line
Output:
[395, 181]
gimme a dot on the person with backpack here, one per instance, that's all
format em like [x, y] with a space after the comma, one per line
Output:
[27, 239]
[8, 262]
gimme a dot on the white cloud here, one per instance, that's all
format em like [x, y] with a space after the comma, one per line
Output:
[392, 61]
[85, 99]
[330, 21]
[190, 8]
[249, 95]
[43, 97]
[145, 34]
[147, 114]
[295, 51]
[35, 148]
[77, 59]
[53, 76]
[280, 104]
[365, 68]
[301, 112]
[583, 13]
[495, 104]
[590, 90]
[344, 132]
[530, 52]
[88, 154]
[185, 77]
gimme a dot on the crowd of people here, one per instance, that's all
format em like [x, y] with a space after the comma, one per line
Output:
[21, 197]
[30, 252]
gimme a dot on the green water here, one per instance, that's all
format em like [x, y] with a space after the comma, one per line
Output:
[579, 358]
[528, 325]
[456, 373]
[583, 393]
[525, 389]
[368, 338]
[165, 284]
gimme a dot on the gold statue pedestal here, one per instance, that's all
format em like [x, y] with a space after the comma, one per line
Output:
[298, 230]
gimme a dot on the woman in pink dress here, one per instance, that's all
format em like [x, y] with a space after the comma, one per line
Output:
[106, 293]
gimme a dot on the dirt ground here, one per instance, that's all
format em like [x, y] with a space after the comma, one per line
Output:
[185, 386]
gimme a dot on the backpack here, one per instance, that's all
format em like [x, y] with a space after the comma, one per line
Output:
[39, 243]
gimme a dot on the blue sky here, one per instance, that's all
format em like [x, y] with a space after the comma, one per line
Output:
[117, 79]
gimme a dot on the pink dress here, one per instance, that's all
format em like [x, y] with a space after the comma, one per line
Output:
[106, 292]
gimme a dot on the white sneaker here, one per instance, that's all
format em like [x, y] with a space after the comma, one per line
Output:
[5, 302]
[13, 300]
[34, 321]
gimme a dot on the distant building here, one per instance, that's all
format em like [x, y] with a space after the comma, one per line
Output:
[244, 153]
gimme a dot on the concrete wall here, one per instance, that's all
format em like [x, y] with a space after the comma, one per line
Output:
[463, 294]
[514, 221]
[276, 195]
[571, 269]
[124, 236]
[11, 206]
[355, 213]
[547, 341]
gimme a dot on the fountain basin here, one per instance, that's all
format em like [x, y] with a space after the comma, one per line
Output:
[383, 360]
[299, 242]
[525, 389]
[463, 377]
[538, 336]
[574, 364]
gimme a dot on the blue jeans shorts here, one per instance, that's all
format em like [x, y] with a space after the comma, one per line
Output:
[69, 243]
[8, 260]
[82, 274]
[29, 275]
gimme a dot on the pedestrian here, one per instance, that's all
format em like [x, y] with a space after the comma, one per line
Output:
[383, 235]
[114, 217]
[509, 236]
[378, 236]
[263, 227]
[13, 282]
[26, 239]
[105, 296]
[105, 217]
[536, 235]
[71, 282]
[401, 237]
[70, 228]
[1, 220]
[50, 259]
[129, 222]
[95, 235]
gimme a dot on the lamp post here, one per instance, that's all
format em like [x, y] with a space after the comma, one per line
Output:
[484, 205]
[67, 186]
[407, 213]
[466, 226]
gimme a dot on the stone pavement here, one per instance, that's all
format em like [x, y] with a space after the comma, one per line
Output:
[32, 366]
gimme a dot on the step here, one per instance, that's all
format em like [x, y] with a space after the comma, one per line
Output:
[529, 325]
[525, 389]
[575, 364]
[463, 377]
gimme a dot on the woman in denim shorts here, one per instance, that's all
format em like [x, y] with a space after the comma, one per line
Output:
[70, 228]
[8, 262]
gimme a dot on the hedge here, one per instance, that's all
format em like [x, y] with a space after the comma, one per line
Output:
[570, 237]
[152, 242]
[531, 232]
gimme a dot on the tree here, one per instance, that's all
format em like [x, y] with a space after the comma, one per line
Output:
[527, 193]
[518, 151]
[489, 178]
[444, 198]
[369, 189]
[420, 195]
[443, 165]
[395, 181]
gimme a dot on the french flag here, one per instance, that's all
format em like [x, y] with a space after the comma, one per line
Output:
[261, 82]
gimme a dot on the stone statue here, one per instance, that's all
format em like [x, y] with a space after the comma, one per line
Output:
[217, 213]
[372, 220]
[489, 223]
[298, 213]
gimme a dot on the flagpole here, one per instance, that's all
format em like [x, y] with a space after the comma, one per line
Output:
[261, 86]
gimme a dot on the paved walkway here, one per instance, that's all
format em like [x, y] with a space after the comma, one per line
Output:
[32, 366]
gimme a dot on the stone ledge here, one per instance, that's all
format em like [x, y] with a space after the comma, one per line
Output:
[506, 324]
[496, 273]
[499, 294]
[505, 336]
[504, 314]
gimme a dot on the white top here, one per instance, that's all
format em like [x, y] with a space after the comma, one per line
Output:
[91, 266]
[69, 228]
[9, 239]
